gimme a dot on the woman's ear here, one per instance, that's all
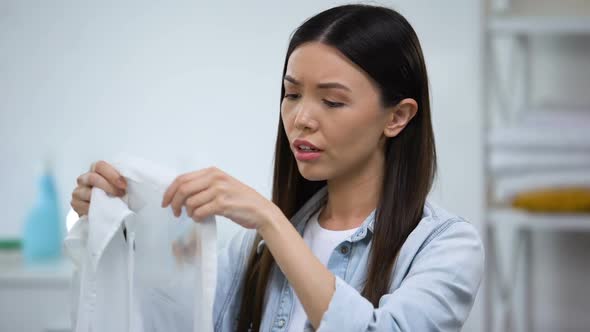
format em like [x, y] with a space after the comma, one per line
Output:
[399, 116]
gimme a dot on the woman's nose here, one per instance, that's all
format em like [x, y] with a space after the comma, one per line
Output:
[304, 120]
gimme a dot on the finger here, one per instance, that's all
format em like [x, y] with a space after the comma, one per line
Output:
[82, 193]
[110, 174]
[175, 185]
[80, 207]
[200, 199]
[91, 179]
[205, 211]
[171, 191]
[186, 190]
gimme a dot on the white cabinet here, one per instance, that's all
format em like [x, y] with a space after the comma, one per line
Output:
[34, 299]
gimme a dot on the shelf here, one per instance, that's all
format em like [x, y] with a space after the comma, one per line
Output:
[14, 273]
[540, 25]
[538, 221]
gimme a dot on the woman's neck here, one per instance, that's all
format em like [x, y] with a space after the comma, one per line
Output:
[351, 200]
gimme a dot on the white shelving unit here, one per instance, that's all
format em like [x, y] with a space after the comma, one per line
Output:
[500, 217]
[526, 25]
[517, 29]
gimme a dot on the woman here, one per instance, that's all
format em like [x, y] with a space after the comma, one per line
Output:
[348, 242]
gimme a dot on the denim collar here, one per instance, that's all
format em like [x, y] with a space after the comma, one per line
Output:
[317, 200]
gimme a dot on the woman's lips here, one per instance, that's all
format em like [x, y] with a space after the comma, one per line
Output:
[307, 155]
[310, 153]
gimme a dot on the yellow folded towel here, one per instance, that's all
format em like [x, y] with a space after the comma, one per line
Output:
[558, 200]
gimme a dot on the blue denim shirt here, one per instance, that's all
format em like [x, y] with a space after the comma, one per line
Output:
[434, 281]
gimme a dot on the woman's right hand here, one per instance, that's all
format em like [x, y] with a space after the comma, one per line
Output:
[101, 175]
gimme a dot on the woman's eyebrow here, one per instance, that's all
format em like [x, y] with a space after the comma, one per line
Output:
[327, 85]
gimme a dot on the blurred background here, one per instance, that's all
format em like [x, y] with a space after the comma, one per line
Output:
[197, 83]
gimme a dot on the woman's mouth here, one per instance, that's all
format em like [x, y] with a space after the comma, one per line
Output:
[305, 150]
[304, 153]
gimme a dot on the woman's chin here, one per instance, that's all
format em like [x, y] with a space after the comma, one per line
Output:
[311, 175]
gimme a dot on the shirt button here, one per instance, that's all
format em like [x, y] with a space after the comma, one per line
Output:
[344, 250]
[281, 323]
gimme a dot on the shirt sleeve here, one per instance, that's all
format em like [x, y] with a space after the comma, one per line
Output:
[436, 295]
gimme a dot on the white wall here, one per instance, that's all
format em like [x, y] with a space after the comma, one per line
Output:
[193, 84]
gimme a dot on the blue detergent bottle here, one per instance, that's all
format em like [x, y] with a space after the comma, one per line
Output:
[42, 236]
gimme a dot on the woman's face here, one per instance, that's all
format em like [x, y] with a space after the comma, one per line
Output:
[334, 105]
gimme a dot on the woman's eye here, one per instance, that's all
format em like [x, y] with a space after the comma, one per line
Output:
[333, 104]
[291, 96]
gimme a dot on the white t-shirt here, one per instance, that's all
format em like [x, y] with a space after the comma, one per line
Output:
[322, 243]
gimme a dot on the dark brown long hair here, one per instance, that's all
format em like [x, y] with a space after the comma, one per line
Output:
[381, 42]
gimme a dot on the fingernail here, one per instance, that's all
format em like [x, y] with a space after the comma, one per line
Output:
[122, 182]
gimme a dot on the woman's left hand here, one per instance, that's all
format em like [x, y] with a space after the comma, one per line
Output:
[210, 191]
